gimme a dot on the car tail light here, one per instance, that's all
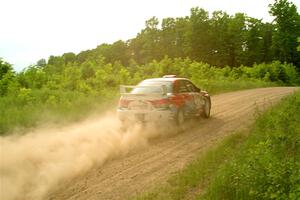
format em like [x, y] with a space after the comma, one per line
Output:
[161, 103]
[123, 103]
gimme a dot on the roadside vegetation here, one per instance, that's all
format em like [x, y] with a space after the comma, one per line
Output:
[33, 97]
[263, 163]
[218, 52]
[268, 165]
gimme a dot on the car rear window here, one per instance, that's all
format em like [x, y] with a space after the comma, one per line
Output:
[148, 90]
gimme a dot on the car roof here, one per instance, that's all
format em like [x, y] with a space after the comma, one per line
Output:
[165, 79]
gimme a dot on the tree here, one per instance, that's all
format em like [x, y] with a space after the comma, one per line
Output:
[287, 26]
[181, 40]
[168, 37]
[267, 30]
[150, 37]
[198, 34]
[55, 64]
[218, 53]
[254, 38]
[118, 51]
[235, 39]
[7, 77]
[5, 68]
[32, 77]
[173, 37]
[69, 57]
[41, 63]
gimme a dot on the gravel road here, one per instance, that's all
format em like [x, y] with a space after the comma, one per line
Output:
[143, 168]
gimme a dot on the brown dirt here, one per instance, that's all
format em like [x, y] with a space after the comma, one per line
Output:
[114, 165]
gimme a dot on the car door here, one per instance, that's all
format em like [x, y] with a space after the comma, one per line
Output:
[197, 97]
[184, 91]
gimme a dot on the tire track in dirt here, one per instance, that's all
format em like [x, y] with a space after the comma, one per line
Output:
[144, 168]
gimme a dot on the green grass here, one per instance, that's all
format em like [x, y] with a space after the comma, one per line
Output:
[268, 165]
[261, 164]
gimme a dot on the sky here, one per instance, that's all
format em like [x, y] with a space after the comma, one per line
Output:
[35, 29]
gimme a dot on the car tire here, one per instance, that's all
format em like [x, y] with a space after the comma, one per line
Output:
[206, 108]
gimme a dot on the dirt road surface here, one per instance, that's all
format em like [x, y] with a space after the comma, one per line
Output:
[138, 171]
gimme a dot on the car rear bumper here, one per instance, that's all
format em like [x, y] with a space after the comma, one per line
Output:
[146, 116]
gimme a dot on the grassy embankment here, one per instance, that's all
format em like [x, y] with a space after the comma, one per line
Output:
[263, 163]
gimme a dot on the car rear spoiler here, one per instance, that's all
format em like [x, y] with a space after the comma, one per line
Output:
[124, 90]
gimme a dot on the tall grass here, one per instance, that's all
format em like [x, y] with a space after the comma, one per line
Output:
[268, 165]
[35, 107]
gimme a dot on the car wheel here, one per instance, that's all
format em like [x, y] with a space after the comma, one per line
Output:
[206, 108]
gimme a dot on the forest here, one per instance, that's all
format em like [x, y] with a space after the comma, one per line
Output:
[218, 51]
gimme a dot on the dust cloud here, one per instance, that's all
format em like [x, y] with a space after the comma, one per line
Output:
[33, 164]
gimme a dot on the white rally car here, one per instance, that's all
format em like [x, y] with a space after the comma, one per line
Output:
[164, 99]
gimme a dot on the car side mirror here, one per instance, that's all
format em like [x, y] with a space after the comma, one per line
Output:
[198, 89]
